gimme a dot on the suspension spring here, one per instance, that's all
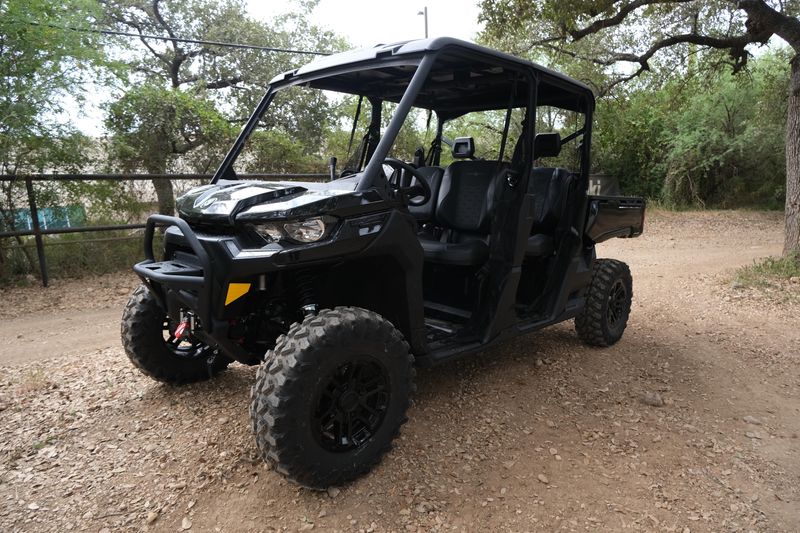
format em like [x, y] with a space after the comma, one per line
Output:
[304, 281]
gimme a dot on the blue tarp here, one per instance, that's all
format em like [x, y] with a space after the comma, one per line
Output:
[69, 216]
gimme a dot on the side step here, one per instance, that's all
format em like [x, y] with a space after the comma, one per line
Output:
[448, 310]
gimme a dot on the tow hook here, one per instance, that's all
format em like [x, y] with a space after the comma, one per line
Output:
[186, 325]
[180, 331]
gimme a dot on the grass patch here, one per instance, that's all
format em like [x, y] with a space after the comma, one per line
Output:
[34, 380]
[72, 256]
[43, 443]
[765, 272]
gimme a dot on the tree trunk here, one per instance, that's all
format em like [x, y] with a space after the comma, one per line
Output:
[791, 243]
[165, 196]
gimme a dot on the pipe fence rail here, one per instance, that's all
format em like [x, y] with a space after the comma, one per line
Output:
[38, 232]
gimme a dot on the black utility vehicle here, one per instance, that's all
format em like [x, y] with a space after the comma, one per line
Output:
[338, 288]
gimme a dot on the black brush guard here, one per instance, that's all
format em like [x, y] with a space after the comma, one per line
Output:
[180, 283]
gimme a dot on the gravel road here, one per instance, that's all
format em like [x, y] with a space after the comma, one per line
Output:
[690, 423]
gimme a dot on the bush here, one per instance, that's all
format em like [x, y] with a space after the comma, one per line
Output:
[713, 141]
[73, 255]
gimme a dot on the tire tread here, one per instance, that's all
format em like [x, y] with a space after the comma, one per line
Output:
[591, 324]
[281, 377]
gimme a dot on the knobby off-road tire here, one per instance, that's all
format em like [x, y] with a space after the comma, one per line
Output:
[144, 327]
[331, 396]
[608, 304]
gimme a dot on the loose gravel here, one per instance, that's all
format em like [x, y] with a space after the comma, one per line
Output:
[690, 423]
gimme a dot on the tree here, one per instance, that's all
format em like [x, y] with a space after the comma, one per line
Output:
[184, 93]
[41, 61]
[713, 138]
[642, 33]
[154, 125]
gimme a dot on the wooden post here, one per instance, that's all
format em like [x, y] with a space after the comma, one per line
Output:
[37, 232]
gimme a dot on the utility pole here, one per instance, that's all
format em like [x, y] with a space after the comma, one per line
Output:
[424, 13]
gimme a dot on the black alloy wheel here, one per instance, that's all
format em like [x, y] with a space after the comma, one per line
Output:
[352, 405]
[608, 303]
[331, 396]
[618, 303]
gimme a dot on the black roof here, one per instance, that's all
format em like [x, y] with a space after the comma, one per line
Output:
[466, 77]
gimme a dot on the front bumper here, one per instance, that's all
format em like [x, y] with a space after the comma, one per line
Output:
[185, 282]
[199, 269]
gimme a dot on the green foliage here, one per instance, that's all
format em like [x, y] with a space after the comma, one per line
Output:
[154, 125]
[722, 151]
[39, 63]
[708, 141]
[627, 142]
[412, 135]
[74, 255]
[43, 65]
[186, 96]
[275, 151]
[486, 127]
[682, 130]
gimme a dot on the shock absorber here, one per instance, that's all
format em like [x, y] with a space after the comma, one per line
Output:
[304, 281]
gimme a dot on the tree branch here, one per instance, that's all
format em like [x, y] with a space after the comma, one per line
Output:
[160, 20]
[180, 55]
[221, 84]
[623, 79]
[620, 16]
[762, 18]
[762, 22]
[136, 26]
[735, 43]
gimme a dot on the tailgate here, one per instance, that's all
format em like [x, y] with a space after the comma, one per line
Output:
[614, 216]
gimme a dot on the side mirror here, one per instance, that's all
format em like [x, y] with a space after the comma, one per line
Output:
[546, 145]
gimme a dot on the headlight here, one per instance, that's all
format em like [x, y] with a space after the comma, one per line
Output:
[271, 232]
[309, 230]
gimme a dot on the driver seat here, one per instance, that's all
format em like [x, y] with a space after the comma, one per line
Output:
[463, 209]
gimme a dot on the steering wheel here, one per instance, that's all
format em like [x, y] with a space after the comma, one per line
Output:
[417, 194]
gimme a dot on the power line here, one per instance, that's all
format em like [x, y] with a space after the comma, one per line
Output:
[180, 39]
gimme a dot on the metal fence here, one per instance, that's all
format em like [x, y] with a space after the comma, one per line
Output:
[38, 232]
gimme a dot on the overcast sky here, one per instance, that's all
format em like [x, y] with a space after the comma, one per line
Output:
[370, 22]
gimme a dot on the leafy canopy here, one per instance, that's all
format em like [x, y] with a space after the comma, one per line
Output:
[40, 63]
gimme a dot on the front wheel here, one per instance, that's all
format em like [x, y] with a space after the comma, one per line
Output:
[608, 304]
[331, 396]
[149, 340]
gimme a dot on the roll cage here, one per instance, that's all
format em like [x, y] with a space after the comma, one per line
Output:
[446, 76]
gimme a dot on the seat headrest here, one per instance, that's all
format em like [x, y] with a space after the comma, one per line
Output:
[546, 145]
[463, 148]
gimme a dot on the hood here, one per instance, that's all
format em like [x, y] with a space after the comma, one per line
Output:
[221, 202]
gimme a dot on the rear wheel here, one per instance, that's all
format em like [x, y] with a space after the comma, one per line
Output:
[149, 340]
[608, 304]
[331, 396]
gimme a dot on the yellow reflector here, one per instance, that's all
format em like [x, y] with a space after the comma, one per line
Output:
[236, 291]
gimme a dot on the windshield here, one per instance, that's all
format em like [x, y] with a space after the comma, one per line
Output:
[301, 130]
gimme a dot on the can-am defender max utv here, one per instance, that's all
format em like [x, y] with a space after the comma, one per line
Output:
[337, 289]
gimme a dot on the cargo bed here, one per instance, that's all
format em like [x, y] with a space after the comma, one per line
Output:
[614, 216]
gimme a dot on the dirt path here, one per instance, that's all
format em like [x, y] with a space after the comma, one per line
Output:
[45, 335]
[539, 434]
[71, 317]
